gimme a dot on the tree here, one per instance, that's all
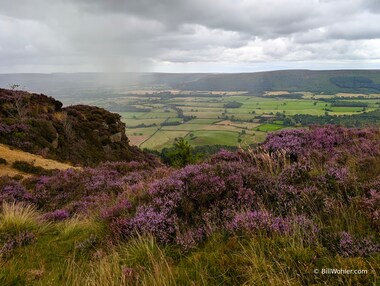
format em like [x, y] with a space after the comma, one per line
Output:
[181, 154]
[20, 106]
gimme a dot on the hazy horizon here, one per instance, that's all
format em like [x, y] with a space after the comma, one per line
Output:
[160, 72]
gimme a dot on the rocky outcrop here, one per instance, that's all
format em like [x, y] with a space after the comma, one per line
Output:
[80, 134]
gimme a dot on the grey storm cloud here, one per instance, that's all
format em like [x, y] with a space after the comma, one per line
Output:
[170, 35]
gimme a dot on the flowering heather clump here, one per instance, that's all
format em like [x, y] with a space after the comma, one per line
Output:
[296, 173]
[116, 210]
[329, 141]
[225, 155]
[57, 215]
[128, 273]
[13, 191]
[291, 140]
[88, 188]
[195, 197]
[371, 206]
[190, 239]
[340, 174]
[13, 128]
[259, 221]
[160, 224]
[23, 238]
[351, 246]
[256, 221]
[306, 228]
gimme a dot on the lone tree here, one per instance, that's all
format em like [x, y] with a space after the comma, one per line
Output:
[181, 154]
[19, 106]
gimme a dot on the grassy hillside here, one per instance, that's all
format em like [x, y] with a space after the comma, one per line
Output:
[303, 203]
[11, 155]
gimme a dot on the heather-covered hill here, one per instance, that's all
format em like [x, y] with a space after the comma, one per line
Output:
[78, 134]
[305, 201]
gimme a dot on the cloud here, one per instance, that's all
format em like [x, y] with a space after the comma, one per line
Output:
[114, 35]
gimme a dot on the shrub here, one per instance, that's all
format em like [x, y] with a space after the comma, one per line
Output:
[13, 191]
[30, 168]
[57, 215]
[348, 245]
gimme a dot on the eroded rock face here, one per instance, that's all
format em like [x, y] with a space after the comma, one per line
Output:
[116, 137]
[55, 142]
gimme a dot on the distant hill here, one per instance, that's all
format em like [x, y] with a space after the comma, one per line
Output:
[79, 134]
[361, 81]
[100, 85]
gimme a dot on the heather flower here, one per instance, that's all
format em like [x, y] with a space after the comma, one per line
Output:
[127, 272]
[87, 189]
[225, 155]
[306, 227]
[160, 225]
[21, 239]
[57, 215]
[296, 173]
[340, 174]
[292, 141]
[11, 190]
[351, 246]
[190, 239]
[116, 210]
[258, 221]
[252, 221]
[371, 206]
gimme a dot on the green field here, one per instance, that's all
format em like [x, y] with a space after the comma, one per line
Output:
[162, 139]
[213, 138]
[269, 127]
[162, 119]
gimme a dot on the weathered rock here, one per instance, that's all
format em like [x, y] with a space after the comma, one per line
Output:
[116, 137]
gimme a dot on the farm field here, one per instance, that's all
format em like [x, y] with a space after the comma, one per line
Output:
[154, 120]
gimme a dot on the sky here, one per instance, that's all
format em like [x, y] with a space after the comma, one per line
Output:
[188, 35]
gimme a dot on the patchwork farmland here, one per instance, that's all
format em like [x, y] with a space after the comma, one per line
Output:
[154, 119]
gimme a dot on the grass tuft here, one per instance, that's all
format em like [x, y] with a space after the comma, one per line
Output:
[18, 217]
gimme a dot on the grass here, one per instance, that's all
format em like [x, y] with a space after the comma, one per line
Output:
[12, 155]
[162, 139]
[202, 121]
[17, 217]
[222, 260]
[174, 119]
[57, 255]
[269, 127]
[213, 138]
